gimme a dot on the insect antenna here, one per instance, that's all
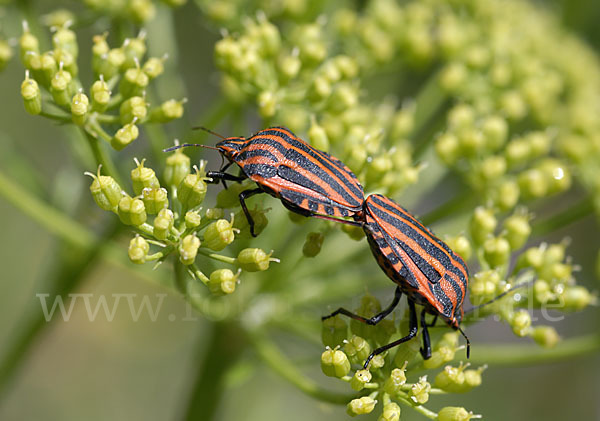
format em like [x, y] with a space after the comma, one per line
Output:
[208, 131]
[185, 145]
[496, 298]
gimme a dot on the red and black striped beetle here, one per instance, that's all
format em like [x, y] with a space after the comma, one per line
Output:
[307, 181]
[423, 267]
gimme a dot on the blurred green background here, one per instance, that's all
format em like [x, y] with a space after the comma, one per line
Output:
[145, 370]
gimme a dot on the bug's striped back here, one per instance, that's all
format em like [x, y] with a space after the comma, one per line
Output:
[290, 169]
[413, 257]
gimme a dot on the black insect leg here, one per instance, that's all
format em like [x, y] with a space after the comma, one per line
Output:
[243, 196]
[373, 320]
[223, 169]
[218, 176]
[412, 332]
[426, 349]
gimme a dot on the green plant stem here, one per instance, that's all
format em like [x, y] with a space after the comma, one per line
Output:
[513, 354]
[419, 408]
[226, 344]
[429, 101]
[218, 257]
[60, 225]
[102, 157]
[65, 118]
[579, 210]
[71, 269]
[464, 200]
[277, 361]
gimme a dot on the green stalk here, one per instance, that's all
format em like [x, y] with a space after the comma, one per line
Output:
[579, 210]
[278, 362]
[517, 354]
[69, 272]
[225, 345]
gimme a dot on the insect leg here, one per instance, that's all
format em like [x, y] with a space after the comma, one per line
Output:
[243, 196]
[373, 320]
[426, 349]
[412, 332]
[218, 176]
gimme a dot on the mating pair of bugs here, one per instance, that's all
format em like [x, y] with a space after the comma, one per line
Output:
[313, 183]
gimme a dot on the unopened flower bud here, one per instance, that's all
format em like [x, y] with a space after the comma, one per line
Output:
[419, 392]
[178, 167]
[134, 49]
[219, 234]
[360, 406]
[533, 183]
[545, 336]
[163, 223]
[124, 136]
[223, 281]
[28, 43]
[267, 104]
[557, 174]
[167, 111]
[138, 249]
[320, 89]
[141, 10]
[108, 64]
[391, 412]
[106, 191]
[473, 378]
[192, 188]
[461, 245]
[439, 357]
[360, 378]
[454, 413]
[80, 106]
[134, 82]
[67, 61]
[394, 382]
[312, 245]
[133, 108]
[318, 136]
[517, 230]
[100, 94]
[447, 148]
[143, 177]
[188, 249]
[334, 330]
[521, 323]
[254, 260]
[357, 349]
[154, 67]
[32, 96]
[450, 379]
[192, 219]
[289, 66]
[155, 199]
[6, 53]
[483, 223]
[217, 213]
[577, 297]
[334, 363]
[496, 251]
[495, 132]
[354, 232]
[66, 40]
[131, 211]
[532, 257]
[506, 194]
[60, 87]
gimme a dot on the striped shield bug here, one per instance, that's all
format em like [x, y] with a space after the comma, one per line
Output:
[307, 181]
[423, 267]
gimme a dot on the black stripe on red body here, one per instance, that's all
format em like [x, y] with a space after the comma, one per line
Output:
[424, 267]
[293, 171]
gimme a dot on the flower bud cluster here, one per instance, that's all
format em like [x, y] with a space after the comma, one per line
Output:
[115, 106]
[170, 220]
